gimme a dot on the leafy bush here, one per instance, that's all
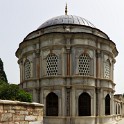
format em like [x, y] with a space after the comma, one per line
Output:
[12, 92]
[24, 96]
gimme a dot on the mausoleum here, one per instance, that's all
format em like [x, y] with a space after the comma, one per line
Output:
[67, 64]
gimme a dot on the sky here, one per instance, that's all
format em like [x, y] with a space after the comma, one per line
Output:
[20, 17]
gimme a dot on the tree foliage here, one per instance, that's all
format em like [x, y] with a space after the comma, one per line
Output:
[13, 92]
[3, 78]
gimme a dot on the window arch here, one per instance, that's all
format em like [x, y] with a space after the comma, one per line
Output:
[107, 69]
[107, 105]
[84, 105]
[52, 104]
[118, 109]
[27, 69]
[52, 64]
[84, 64]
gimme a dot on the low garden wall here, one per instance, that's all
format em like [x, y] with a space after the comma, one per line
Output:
[15, 112]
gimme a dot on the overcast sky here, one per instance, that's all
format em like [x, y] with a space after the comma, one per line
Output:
[20, 17]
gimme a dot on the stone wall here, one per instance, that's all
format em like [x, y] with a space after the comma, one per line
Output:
[15, 112]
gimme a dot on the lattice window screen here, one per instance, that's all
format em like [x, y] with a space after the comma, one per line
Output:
[27, 69]
[52, 64]
[107, 70]
[84, 65]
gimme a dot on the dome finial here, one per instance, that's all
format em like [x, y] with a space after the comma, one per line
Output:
[66, 11]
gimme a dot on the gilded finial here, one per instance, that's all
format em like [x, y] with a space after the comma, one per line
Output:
[66, 11]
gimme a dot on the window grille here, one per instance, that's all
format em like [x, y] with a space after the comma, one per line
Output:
[84, 105]
[27, 69]
[84, 65]
[52, 105]
[52, 64]
[107, 70]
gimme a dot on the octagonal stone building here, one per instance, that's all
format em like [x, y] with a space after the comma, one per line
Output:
[67, 65]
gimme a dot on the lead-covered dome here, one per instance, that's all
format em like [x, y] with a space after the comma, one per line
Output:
[66, 19]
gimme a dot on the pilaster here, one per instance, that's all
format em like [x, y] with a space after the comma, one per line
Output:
[35, 95]
[63, 102]
[73, 101]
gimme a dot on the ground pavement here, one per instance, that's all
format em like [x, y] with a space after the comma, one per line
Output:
[121, 121]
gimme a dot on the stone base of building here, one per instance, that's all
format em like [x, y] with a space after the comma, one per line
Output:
[80, 120]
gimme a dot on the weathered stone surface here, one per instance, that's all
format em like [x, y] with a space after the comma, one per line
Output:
[1, 108]
[15, 112]
[6, 117]
[24, 122]
[31, 118]
[11, 111]
[7, 107]
[36, 122]
[18, 117]
[17, 122]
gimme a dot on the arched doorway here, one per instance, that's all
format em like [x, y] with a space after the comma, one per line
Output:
[84, 105]
[52, 104]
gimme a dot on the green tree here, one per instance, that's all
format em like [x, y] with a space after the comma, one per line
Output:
[13, 92]
[24, 96]
[3, 78]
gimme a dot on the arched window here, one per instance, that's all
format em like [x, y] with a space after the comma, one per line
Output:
[27, 69]
[118, 109]
[107, 105]
[107, 69]
[84, 65]
[52, 64]
[52, 104]
[84, 105]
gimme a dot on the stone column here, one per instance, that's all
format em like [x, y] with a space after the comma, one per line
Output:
[98, 75]
[93, 104]
[112, 104]
[60, 105]
[44, 102]
[98, 64]
[37, 62]
[68, 62]
[101, 102]
[68, 102]
[73, 101]
[41, 95]
[21, 71]
[63, 62]
[68, 48]
[122, 112]
[63, 102]
[34, 95]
